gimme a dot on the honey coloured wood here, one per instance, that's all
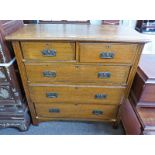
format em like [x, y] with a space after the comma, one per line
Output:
[76, 72]
[107, 52]
[78, 111]
[73, 73]
[76, 94]
[48, 51]
[77, 32]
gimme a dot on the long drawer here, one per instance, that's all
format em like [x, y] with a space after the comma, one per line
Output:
[48, 51]
[76, 94]
[107, 52]
[64, 72]
[103, 112]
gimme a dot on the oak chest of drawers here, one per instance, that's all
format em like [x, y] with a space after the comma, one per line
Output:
[76, 72]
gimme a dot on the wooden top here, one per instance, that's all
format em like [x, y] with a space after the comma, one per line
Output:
[79, 32]
[147, 67]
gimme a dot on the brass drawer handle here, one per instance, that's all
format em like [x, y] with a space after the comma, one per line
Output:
[49, 53]
[49, 74]
[100, 96]
[54, 110]
[97, 112]
[106, 55]
[52, 95]
[104, 75]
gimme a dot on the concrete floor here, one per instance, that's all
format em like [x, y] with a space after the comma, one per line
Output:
[67, 128]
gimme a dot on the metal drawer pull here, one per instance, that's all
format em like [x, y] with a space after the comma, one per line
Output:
[52, 95]
[49, 74]
[97, 112]
[49, 53]
[100, 96]
[54, 110]
[107, 55]
[104, 74]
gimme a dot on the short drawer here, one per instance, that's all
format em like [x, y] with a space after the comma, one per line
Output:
[54, 72]
[49, 51]
[76, 94]
[107, 52]
[70, 111]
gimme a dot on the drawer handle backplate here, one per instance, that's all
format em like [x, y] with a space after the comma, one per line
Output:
[106, 55]
[54, 110]
[49, 74]
[104, 75]
[52, 95]
[100, 96]
[49, 53]
[97, 112]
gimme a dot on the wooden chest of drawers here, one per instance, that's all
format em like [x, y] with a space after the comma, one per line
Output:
[76, 72]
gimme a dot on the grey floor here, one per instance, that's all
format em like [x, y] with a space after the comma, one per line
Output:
[67, 128]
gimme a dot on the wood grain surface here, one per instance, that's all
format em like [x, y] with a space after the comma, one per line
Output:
[79, 57]
[80, 32]
[76, 111]
[76, 94]
[77, 73]
[33, 50]
[123, 53]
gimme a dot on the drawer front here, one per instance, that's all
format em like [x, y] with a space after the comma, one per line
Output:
[70, 111]
[76, 94]
[109, 53]
[49, 51]
[48, 73]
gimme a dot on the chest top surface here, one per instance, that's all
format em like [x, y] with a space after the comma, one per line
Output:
[79, 32]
